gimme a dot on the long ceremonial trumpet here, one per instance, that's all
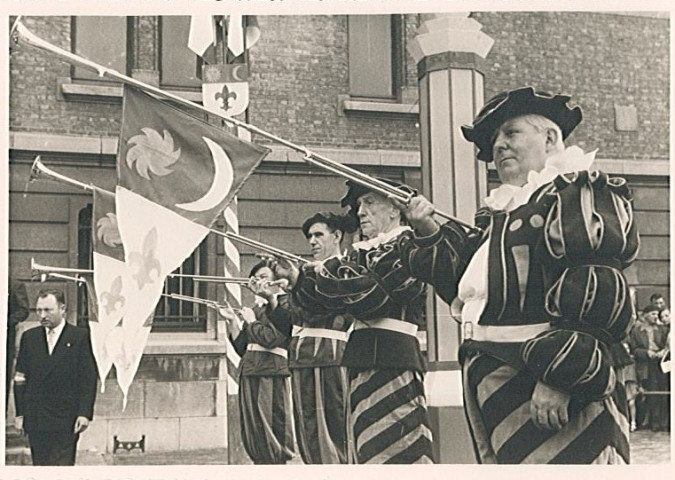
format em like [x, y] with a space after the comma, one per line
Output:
[202, 301]
[39, 269]
[21, 34]
[36, 267]
[43, 277]
[39, 170]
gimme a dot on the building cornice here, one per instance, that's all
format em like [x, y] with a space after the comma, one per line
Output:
[106, 145]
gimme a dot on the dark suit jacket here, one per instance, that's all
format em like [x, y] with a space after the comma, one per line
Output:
[17, 310]
[59, 387]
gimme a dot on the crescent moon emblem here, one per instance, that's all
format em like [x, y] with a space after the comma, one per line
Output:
[222, 181]
[235, 73]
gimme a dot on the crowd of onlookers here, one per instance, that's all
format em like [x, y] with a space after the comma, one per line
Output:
[643, 364]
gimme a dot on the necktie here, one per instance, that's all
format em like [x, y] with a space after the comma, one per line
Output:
[51, 340]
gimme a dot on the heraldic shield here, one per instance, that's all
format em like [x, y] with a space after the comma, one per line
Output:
[225, 88]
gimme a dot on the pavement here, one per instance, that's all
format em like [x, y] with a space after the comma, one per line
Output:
[647, 447]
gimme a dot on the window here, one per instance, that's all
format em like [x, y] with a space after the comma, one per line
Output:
[84, 262]
[177, 315]
[170, 315]
[178, 64]
[102, 40]
[375, 56]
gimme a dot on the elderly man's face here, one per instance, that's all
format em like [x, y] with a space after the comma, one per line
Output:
[376, 214]
[518, 148]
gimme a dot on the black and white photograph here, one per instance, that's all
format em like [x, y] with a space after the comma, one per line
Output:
[346, 233]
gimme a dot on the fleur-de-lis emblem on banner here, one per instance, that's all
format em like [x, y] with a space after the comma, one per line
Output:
[112, 300]
[145, 262]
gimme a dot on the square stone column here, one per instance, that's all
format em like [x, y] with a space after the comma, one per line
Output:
[449, 50]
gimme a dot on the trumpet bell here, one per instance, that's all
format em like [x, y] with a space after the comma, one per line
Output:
[36, 169]
[39, 170]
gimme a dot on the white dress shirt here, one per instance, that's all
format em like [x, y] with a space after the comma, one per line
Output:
[53, 335]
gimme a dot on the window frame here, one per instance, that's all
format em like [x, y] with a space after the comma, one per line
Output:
[197, 83]
[397, 61]
[91, 77]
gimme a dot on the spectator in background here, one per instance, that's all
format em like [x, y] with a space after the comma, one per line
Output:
[17, 312]
[648, 341]
[624, 365]
[664, 384]
[657, 300]
[664, 319]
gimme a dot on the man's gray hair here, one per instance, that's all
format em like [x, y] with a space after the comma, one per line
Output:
[542, 124]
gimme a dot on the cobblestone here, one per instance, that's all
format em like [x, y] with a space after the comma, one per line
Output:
[647, 447]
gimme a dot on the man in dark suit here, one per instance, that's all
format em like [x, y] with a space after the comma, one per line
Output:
[55, 383]
[17, 312]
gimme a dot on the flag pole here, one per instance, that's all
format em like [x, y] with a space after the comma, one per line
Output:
[21, 33]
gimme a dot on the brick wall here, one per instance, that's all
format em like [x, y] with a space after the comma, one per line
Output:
[300, 66]
[602, 60]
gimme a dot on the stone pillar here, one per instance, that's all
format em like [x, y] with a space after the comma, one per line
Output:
[449, 50]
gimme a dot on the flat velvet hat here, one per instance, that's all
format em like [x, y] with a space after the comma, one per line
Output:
[522, 101]
[355, 190]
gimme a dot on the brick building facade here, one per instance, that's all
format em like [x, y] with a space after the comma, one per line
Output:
[304, 87]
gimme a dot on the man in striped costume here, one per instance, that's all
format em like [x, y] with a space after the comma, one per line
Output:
[387, 420]
[541, 292]
[264, 385]
[315, 354]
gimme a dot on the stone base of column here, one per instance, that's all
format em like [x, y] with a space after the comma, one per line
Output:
[452, 441]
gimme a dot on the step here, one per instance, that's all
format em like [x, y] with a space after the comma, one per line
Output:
[18, 456]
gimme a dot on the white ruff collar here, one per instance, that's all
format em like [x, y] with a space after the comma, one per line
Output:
[380, 239]
[509, 197]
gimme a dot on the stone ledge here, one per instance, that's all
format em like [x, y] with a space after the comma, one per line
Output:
[346, 105]
[348, 156]
[162, 346]
[96, 92]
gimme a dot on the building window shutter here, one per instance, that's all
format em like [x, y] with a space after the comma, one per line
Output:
[370, 56]
[178, 64]
[102, 40]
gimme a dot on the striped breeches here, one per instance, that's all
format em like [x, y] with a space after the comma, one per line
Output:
[387, 420]
[497, 405]
[266, 418]
[319, 403]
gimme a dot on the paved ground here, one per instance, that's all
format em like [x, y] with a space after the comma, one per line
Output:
[649, 447]
[646, 448]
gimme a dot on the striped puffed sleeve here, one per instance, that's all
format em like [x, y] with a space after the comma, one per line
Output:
[571, 361]
[438, 259]
[590, 236]
[591, 231]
